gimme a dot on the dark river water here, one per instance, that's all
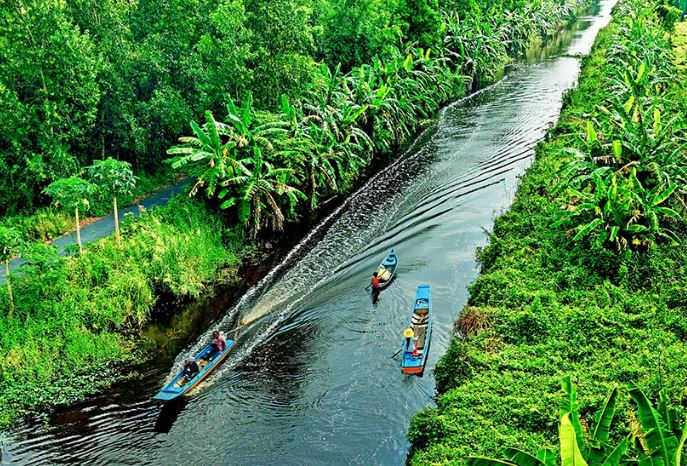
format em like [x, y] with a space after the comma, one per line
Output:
[312, 380]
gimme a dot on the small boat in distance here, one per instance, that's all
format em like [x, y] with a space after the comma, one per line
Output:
[387, 270]
[417, 335]
[181, 383]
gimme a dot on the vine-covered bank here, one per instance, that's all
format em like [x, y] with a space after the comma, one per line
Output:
[584, 275]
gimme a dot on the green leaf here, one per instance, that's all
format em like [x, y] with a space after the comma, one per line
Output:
[569, 406]
[584, 230]
[640, 72]
[681, 445]
[547, 456]
[636, 228]
[668, 213]
[661, 197]
[570, 448]
[657, 121]
[228, 203]
[614, 457]
[628, 105]
[522, 458]
[484, 461]
[244, 210]
[591, 133]
[659, 440]
[617, 149]
[604, 417]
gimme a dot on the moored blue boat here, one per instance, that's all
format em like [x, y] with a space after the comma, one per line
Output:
[417, 336]
[182, 383]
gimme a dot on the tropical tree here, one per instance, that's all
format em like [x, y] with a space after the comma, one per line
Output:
[206, 156]
[577, 448]
[332, 121]
[116, 177]
[663, 434]
[257, 192]
[71, 194]
[220, 151]
[660, 439]
[10, 243]
[627, 182]
[49, 93]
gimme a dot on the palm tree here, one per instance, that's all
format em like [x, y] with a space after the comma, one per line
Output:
[257, 192]
[116, 177]
[71, 193]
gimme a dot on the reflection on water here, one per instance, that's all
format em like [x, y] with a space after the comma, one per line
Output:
[312, 380]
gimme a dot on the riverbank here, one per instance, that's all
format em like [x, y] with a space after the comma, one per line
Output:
[552, 302]
[90, 309]
[81, 318]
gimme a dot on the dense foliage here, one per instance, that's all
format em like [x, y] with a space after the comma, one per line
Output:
[628, 183]
[264, 164]
[82, 80]
[550, 302]
[82, 308]
[658, 437]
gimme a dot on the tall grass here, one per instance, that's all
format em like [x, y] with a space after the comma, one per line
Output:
[81, 315]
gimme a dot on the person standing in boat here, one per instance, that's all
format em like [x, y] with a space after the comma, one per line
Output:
[408, 335]
[218, 345]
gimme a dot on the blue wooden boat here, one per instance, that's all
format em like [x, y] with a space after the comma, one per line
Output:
[181, 384]
[416, 344]
[387, 270]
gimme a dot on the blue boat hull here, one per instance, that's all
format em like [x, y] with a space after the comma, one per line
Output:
[413, 361]
[178, 386]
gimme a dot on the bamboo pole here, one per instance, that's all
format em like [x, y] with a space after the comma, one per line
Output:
[9, 285]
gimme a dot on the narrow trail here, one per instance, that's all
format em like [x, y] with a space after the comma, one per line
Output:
[311, 380]
[104, 226]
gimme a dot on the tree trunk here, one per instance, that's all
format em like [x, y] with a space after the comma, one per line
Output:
[9, 285]
[78, 230]
[116, 220]
[102, 133]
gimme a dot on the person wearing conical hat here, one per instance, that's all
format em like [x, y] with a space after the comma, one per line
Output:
[408, 334]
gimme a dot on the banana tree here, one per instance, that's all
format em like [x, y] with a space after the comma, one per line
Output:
[71, 193]
[615, 200]
[575, 447]
[663, 433]
[10, 244]
[209, 156]
[117, 178]
[257, 193]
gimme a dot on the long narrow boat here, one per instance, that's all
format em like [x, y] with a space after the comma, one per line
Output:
[387, 269]
[416, 343]
[181, 384]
